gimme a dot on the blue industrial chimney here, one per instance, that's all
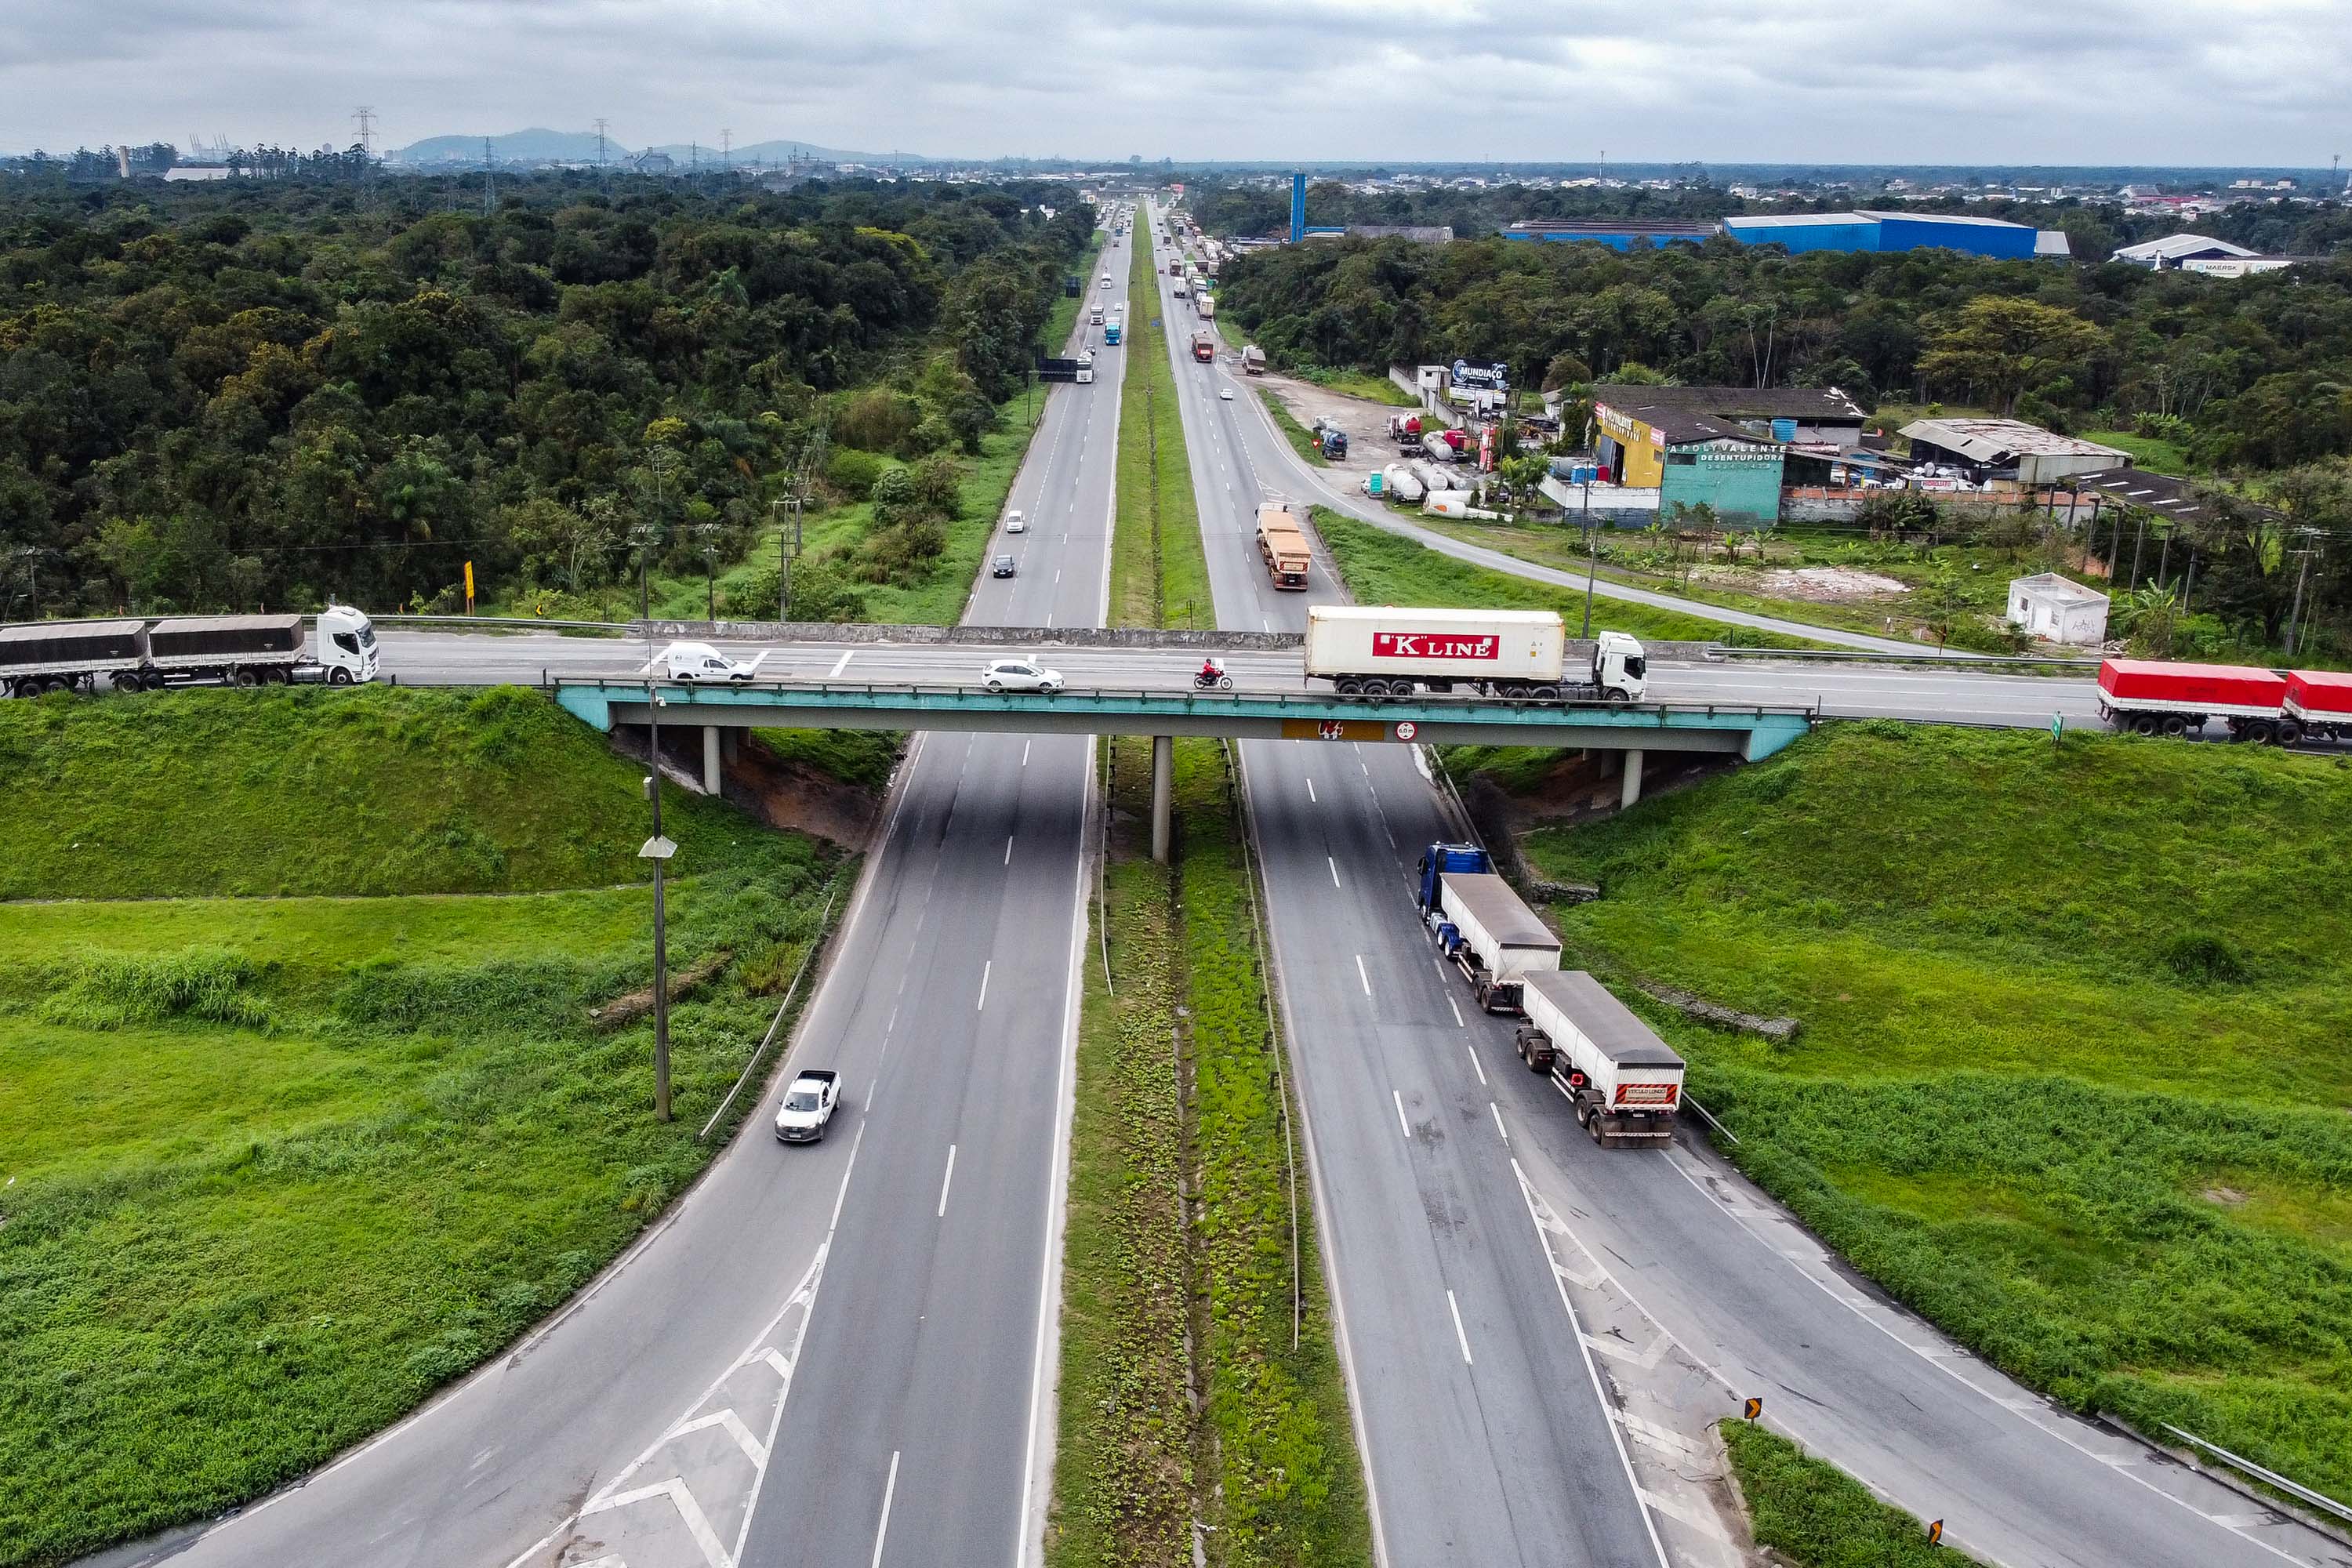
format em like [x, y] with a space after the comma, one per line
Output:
[1297, 208]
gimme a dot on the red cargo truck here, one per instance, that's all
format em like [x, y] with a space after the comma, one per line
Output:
[2280, 707]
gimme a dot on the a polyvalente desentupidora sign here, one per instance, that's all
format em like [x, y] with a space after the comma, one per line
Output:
[1435, 645]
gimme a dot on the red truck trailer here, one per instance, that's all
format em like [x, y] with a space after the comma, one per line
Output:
[2276, 706]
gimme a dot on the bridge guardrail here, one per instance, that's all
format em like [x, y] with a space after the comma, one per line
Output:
[1863, 656]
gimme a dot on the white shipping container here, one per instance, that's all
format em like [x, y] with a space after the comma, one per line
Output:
[1631, 1081]
[1435, 643]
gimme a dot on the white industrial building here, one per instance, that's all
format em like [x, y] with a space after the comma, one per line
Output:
[1984, 450]
[2058, 609]
[2173, 249]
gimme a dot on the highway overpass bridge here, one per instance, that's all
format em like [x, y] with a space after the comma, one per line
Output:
[1749, 732]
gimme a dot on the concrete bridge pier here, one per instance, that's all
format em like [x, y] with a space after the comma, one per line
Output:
[710, 759]
[1163, 792]
[1631, 789]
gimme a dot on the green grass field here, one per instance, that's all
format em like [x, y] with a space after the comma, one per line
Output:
[1816, 1516]
[1384, 568]
[1158, 576]
[274, 1167]
[1361, 383]
[2154, 452]
[2072, 1078]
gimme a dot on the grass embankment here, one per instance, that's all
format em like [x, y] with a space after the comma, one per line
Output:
[1360, 384]
[1384, 568]
[276, 1167]
[1301, 439]
[2072, 1079]
[1816, 1516]
[1158, 576]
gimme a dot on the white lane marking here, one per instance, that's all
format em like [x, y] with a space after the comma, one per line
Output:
[1008, 849]
[1498, 1115]
[1460, 1338]
[1057, 576]
[1364, 974]
[946, 1181]
[892, 1024]
[1459, 1023]
[1024, 753]
[1335, 881]
[981, 1006]
[1310, 794]
[842, 663]
[1406, 1127]
[697, 1523]
[889, 1490]
[1473, 1049]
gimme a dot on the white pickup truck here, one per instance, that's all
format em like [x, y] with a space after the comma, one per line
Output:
[809, 1103]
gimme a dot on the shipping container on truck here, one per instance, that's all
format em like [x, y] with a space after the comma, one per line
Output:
[1625, 1083]
[1282, 541]
[1208, 308]
[2281, 707]
[1385, 651]
[148, 654]
[1484, 928]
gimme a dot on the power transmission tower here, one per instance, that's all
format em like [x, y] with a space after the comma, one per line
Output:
[788, 539]
[726, 149]
[365, 115]
[490, 199]
[600, 181]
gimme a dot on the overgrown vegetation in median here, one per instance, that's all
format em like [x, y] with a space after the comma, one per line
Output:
[1301, 439]
[1158, 576]
[273, 1168]
[1816, 1516]
[2072, 1079]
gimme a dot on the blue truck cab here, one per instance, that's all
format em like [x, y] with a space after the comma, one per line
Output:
[1439, 859]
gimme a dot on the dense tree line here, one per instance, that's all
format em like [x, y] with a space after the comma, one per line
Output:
[265, 393]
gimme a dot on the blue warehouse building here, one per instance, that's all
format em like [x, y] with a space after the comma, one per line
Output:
[1615, 235]
[1899, 231]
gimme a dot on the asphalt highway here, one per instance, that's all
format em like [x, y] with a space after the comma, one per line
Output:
[838, 1353]
[1423, 1127]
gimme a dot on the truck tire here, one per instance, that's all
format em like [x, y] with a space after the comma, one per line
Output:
[1545, 692]
[58, 683]
[2174, 724]
[2287, 734]
[339, 677]
[1348, 686]
[244, 678]
[155, 681]
[127, 681]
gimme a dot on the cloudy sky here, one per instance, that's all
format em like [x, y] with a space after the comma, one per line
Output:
[2058, 82]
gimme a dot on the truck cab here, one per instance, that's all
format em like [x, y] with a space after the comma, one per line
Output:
[1620, 669]
[347, 649]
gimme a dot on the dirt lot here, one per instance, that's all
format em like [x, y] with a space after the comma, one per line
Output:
[1829, 585]
[1367, 423]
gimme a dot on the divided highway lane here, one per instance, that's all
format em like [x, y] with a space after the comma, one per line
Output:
[812, 1332]
[1482, 1431]
[1741, 1287]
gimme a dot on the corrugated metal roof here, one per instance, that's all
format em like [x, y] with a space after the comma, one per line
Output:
[1937, 218]
[2173, 247]
[1607, 1022]
[1991, 440]
[1796, 220]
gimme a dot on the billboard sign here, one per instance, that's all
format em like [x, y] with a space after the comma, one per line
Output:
[1484, 374]
[1437, 645]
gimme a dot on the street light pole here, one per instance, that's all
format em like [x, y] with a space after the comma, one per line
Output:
[657, 849]
[1592, 558]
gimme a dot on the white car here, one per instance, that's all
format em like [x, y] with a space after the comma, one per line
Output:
[1226, 394]
[1016, 523]
[1020, 675]
[701, 661]
[809, 1103]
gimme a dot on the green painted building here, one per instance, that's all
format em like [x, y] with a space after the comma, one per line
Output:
[1740, 480]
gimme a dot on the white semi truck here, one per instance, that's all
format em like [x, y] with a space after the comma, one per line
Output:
[1383, 651]
[1625, 1083]
[1481, 926]
[149, 653]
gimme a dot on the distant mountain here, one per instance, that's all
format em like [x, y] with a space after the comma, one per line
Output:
[533, 146]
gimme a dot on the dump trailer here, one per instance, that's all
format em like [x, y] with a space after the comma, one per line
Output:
[1484, 928]
[146, 655]
[1384, 652]
[2281, 707]
[1282, 541]
[1252, 360]
[1625, 1083]
[1204, 347]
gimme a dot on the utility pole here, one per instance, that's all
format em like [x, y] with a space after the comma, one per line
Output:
[2303, 573]
[1592, 559]
[658, 850]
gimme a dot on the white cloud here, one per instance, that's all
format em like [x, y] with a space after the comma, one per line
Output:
[2171, 81]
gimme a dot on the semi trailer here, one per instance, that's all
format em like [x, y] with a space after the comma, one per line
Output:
[1625, 1083]
[1482, 927]
[1382, 651]
[1252, 360]
[1283, 544]
[2281, 707]
[1204, 347]
[147, 654]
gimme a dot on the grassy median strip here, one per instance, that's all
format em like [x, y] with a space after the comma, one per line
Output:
[1816, 1516]
[1123, 1476]
[1290, 1487]
[1158, 576]
[1384, 568]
